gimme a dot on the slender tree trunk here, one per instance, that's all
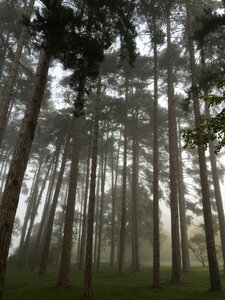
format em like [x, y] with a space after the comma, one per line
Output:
[182, 210]
[3, 54]
[216, 181]
[81, 198]
[19, 163]
[103, 177]
[173, 158]
[156, 212]
[91, 204]
[135, 170]
[49, 227]
[64, 271]
[124, 191]
[61, 228]
[207, 212]
[4, 175]
[13, 74]
[97, 209]
[114, 190]
[84, 223]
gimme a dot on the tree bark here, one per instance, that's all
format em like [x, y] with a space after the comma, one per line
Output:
[156, 212]
[19, 163]
[64, 271]
[84, 223]
[216, 181]
[135, 171]
[91, 204]
[114, 190]
[207, 212]
[13, 74]
[97, 210]
[103, 177]
[173, 159]
[124, 190]
[182, 210]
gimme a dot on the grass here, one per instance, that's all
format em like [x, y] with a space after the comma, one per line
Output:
[24, 285]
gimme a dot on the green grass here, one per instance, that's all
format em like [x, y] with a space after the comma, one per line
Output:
[24, 285]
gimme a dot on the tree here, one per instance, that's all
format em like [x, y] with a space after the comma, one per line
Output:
[173, 157]
[13, 73]
[91, 204]
[211, 250]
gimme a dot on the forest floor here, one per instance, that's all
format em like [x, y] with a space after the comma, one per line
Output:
[107, 285]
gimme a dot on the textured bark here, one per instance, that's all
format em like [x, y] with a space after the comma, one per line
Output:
[124, 191]
[4, 54]
[216, 181]
[135, 170]
[156, 213]
[4, 174]
[114, 190]
[84, 223]
[97, 210]
[49, 226]
[103, 177]
[91, 204]
[61, 228]
[19, 163]
[182, 211]
[13, 74]
[207, 212]
[64, 271]
[173, 159]
[81, 200]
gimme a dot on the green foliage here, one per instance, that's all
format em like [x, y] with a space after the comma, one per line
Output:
[212, 128]
[197, 244]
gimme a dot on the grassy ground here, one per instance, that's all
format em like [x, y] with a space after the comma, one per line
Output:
[23, 285]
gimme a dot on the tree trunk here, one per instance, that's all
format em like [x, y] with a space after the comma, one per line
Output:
[216, 181]
[207, 213]
[64, 271]
[135, 171]
[19, 163]
[103, 177]
[182, 210]
[84, 223]
[91, 204]
[173, 158]
[13, 74]
[97, 209]
[3, 54]
[124, 191]
[49, 226]
[156, 212]
[114, 189]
